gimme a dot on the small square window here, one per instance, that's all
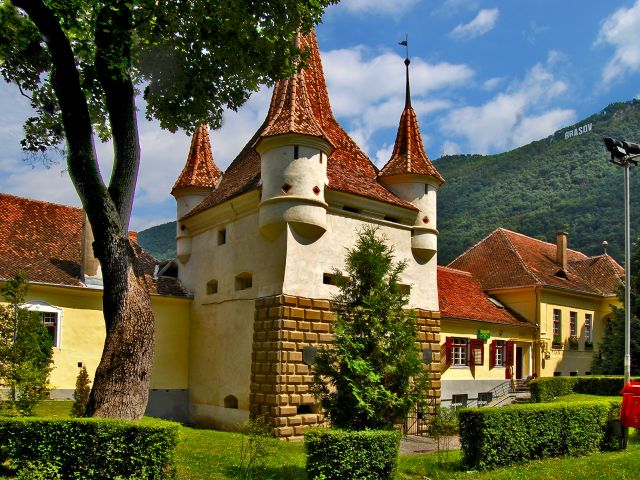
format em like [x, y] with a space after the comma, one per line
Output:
[485, 398]
[222, 236]
[459, 401]
[244, 281]
[212, 287]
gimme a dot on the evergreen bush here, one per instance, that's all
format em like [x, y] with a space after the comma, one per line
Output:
[494, 437]
[353, 455]
[90, 448]
[81, 393]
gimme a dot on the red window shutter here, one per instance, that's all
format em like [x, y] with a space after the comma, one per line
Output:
[477, 344]
[449, 350]
[492, 354]
[508, 359]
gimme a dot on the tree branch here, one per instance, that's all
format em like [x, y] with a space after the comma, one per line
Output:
[113, 65]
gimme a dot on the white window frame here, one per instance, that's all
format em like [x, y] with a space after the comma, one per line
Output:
[588, 327]
[500, 354]
[40, 306]
[459, 352]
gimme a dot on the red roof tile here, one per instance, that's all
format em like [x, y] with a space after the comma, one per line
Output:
[348, 169]
[408, 152]
[200, 170]
[506, 259]
[45, 241]
[461, 297]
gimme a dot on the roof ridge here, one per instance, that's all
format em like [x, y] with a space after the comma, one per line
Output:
[472, 247]
[520, 259]
[541, 241]
[455, 270]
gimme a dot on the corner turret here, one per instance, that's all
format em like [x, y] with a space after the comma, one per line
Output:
[293, 152]
[198, 179]
[411, 175]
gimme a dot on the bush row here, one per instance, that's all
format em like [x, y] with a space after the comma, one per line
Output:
[356, 455]
[90, 448]
[547, 388]
[493, 437]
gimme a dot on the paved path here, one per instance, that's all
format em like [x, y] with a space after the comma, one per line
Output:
[414, 445]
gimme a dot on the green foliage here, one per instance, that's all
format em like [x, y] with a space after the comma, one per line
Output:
[442, 426]
[493, 437]
[373, 373]
[545, 389]
[356, 455]
[610, 358]
[257, 445]
[542, 187]
[25, 350]
[90, 448]
[81, 393]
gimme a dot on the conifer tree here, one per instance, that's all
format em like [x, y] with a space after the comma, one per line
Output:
[25, 350]
[81, 393]
[610, 358]
[373, 373]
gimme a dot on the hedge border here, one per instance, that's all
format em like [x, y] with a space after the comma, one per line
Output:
[357, 455]
[92, 448]
[546, 389]
[494, 437]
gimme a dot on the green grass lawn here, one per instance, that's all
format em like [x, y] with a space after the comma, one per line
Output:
[209, 454]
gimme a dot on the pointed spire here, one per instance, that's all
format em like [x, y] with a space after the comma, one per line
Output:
[200, 170]
[291, 110]
[408, 152]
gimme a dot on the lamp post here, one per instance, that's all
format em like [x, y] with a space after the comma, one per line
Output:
[625, 155]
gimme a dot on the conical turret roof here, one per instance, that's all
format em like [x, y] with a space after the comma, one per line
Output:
[348, 168]
[408, 152]
[200, 170]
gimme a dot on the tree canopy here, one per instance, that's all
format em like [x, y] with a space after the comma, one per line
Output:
[82, 63]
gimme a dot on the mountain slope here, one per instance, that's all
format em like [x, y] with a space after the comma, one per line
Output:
[557, 183]
[553, 184]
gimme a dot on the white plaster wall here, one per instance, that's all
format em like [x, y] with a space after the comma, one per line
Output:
[308, 260]
[423, 196]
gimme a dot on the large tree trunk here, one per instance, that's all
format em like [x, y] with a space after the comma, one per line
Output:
[121, 383]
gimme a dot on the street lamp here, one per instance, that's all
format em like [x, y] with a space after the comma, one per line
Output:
[625, 154]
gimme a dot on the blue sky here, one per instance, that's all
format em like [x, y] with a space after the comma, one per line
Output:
[486, 77]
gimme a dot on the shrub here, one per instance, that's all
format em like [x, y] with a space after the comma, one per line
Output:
[547, 388]
[90, 448]
[442, 426]
[256, 446]
[81, 393]
[356, 455]
[493, 437]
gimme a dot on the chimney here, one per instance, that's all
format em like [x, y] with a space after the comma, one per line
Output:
[90, 265]
[561, 249]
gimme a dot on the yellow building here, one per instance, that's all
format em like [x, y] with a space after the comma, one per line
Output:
[51, 245]
[483, 344]
[563, 293]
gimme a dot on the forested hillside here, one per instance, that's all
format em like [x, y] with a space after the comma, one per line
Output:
[563, 182]
[551, 184]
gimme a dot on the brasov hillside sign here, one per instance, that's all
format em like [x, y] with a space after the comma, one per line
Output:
[578, 131]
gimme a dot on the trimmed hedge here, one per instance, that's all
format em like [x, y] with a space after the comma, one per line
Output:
[91, 448]
[356, 455]
[547, 388]
[494, 437]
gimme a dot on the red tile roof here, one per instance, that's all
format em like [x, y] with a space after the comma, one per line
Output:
[506, 259]
[408, 152]
[45, 241]
[348, 169]
[200, 170]
[461, 297]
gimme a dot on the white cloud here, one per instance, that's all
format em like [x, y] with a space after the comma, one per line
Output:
[512, 118]
[484, 22]
[380, 7]
[450, 148]
[492, 83]
[621, 31]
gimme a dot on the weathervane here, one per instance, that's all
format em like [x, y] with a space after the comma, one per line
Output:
[405, 43]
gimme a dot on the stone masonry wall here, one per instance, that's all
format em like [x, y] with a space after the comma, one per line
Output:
[280, 380]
